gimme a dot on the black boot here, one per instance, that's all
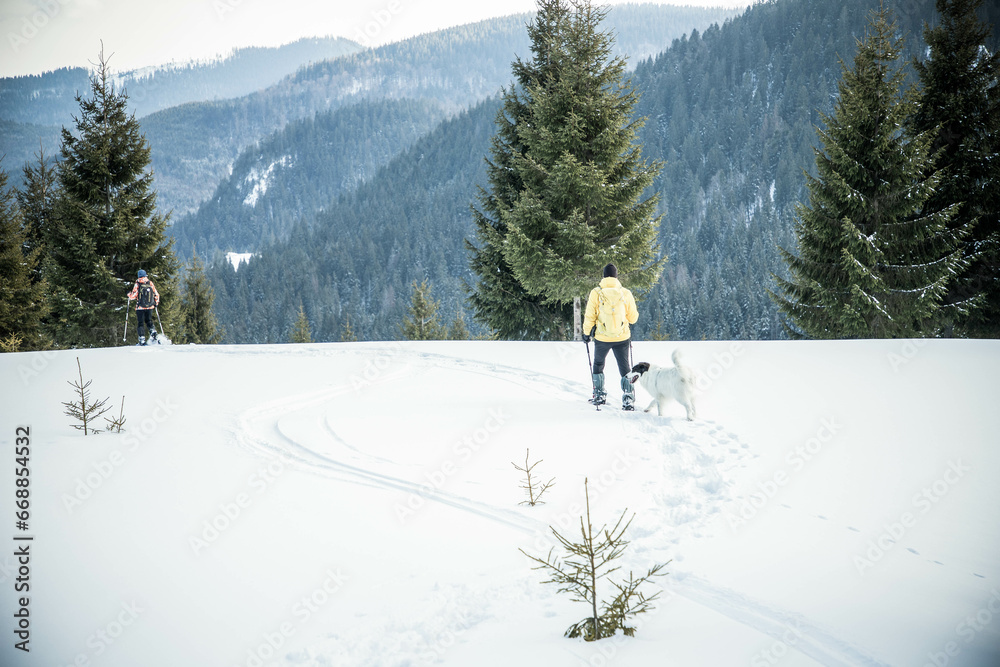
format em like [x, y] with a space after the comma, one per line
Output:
[628, 395]
[599, 393]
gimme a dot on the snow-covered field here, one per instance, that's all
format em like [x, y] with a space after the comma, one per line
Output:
[356, 504]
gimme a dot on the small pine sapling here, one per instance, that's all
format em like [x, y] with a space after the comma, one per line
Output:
[589, 561]
[116, 424]
[534, 489]
[11, 343]
[82, 409]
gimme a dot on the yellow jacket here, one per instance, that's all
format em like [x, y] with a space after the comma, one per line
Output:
[591, 317]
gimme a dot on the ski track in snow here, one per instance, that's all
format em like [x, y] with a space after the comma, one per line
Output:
[688, 485]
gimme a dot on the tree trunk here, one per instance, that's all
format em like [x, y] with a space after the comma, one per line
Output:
[577, 319]
[589, 539]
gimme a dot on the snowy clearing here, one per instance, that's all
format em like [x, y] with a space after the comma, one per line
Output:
[356, 504]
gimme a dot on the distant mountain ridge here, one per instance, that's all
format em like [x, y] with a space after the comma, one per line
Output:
[195, 145]
[33, 108]
[48, 99]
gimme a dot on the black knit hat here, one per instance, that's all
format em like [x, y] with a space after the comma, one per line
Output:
[610, 271]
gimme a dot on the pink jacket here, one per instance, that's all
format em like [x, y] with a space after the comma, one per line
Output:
[134, 294]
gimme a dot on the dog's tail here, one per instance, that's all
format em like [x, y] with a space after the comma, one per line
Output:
[687, 375]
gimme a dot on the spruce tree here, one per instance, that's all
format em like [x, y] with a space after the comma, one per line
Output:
[197, 321]
[421, 322]
[457, 330]
[960, 105]
[873, 261]
[300, 330]
[22, 299]
[567, 180]
[37, 201]
[498, 299]
[347, 334]
[106, 225]
[589, 562]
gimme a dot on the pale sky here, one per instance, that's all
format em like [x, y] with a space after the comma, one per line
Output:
[42, 35]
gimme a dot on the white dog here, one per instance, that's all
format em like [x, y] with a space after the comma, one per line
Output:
[664, 384]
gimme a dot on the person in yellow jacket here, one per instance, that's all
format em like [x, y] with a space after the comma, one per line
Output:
[610, 311]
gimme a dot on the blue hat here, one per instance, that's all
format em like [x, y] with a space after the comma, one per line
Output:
[142, 274]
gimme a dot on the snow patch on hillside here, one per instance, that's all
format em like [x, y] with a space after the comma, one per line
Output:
[258, 180]
[237, 258]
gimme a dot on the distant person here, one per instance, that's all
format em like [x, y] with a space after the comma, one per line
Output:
[610, 310]
[146, 300]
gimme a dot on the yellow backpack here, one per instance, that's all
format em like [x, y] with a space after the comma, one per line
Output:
[611, 312]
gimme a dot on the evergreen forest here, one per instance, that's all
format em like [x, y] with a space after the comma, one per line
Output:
[356, 177]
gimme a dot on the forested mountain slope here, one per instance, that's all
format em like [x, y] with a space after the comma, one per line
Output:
[731, 111]
[359, 257]
[300, 170]
[195, 145]
[734, 112]
[33, 108]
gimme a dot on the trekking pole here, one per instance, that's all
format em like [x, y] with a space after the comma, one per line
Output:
[157, 310]
[590, 371]
[127, 306]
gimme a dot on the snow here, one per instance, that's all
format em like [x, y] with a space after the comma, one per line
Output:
[835, 503]
[258, 180]
[237, 258]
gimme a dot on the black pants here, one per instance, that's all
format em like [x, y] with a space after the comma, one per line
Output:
[620, 349]
[145, 317]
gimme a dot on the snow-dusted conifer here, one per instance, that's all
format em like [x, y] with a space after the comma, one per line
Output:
[959, 105]
[106, 225]
[22, 299]
[568, 179]
[421, 322]
[873, 261]
[301, 332]
[197, 320]
[498, 299]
